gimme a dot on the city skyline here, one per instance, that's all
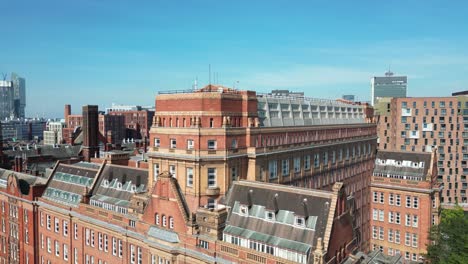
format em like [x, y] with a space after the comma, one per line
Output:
[325, 50]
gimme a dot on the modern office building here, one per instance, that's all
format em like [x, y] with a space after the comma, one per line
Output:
[213, 136]
[427, 123]
[23, 129]
[388, 86]
[405, 202]
[12, 97]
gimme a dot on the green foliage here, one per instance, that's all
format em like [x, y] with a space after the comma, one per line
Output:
[450, 238]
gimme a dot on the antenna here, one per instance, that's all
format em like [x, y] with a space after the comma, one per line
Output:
[209, 74]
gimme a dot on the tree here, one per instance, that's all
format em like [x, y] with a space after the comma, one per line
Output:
[449, 238]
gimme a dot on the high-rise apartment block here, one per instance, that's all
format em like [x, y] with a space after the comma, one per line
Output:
[405, 202]
[388, 86]
[427, 123]
[210, 137]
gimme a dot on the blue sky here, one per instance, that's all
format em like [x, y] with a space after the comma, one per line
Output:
[100, 51]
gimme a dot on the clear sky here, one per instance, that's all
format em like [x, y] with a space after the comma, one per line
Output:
[103, 51]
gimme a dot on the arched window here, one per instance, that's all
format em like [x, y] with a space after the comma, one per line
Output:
[171, 222]
[156, 218]
[164, 221]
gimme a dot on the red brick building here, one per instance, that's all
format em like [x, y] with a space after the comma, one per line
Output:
[138, 120]
[213, 136]
[405, 202]
[18, 217]
[418, 124]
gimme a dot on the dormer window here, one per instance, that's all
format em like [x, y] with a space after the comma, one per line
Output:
[105, 183]
[119, 185]
[299, 221]
[244, 210]
[270, 215]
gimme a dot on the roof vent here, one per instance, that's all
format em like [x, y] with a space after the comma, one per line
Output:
[275, 203]
[249, 198]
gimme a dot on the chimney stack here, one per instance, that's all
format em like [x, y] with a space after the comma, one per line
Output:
[67, 112]
[90, 132]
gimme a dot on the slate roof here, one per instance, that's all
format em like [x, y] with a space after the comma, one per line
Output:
[62, 152]
[70, 182]
[400, 161]
[287, 203]
[117, 184]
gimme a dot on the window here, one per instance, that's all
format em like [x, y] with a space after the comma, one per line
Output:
[307, 162]
[65, 252]
[132, 223]
[390, 235]
[285, 167]
[375, 214]
[407, 239]
[212, 144]
[376, 197]
[164, 221]
[106, 243]
[87, 234]
[397, 236]
[120, 249]
[189, 177]
[42, 218]
[75, 230]
[415, 202]
[381, 233]
[156, 218]
[49, 246]
[398, 200]
[270, 215]
[407, 220]
[173, 143]
[171, 222]
[157, 142]
[414, 240]
[65, 228]
[297, 164]
[172, 170]
[203, 244]
[408, 201]
[100, 244]
[382, 198]
[57, 248]
[397, 218]
[132, 254]
[211, 177]
[325, 158]
[155, 171]
[374, 232]
[381, 215]
[391, 217]
[48, 222]
[415, 221]
[234, 175]
[273, 169]
[92, 238]
[243, 210]
[316, 160]
[57, 225]
[300, 221]
[114, 246]
[391, 199]
[190, 144]
[234, 144]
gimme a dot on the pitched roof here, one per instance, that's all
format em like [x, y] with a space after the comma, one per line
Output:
[414, 164]
[287, 203]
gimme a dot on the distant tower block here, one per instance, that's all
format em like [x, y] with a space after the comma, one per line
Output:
[90, 132]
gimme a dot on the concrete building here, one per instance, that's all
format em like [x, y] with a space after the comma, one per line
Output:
[18, 239]
[54, 133]
[424, 123]
[388, 86]
[19, 95]
[138, 120]
[213, 136]
[405, 203]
